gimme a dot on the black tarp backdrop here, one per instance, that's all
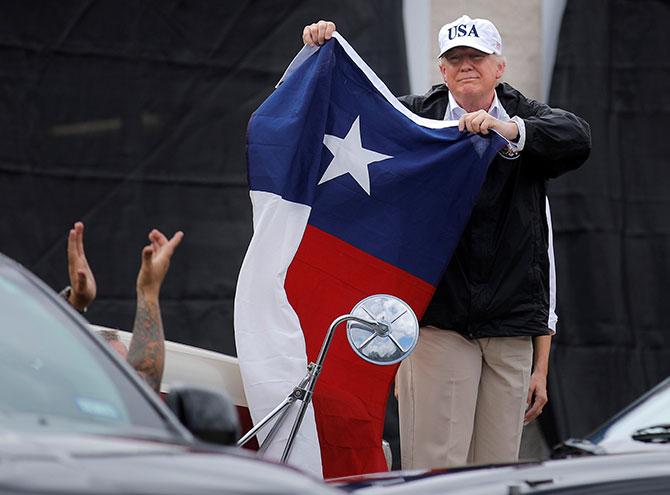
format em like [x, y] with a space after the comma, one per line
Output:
[612, 216]
[131, 115]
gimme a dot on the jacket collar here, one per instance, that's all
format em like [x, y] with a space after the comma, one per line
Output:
[507, 96]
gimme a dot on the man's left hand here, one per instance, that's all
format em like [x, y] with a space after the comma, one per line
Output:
[537, 396]
[480, 122]
[156, 261]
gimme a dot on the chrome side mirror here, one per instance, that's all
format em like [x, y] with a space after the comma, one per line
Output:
[392, 339]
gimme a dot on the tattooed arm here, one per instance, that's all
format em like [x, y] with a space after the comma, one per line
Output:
[147, 347]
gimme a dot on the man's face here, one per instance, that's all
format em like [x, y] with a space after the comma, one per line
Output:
[469, 73]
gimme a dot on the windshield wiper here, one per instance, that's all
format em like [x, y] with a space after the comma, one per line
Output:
[653, 434]
[576, 447]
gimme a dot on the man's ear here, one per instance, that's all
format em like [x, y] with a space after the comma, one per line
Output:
[443, 72]
[500, 70]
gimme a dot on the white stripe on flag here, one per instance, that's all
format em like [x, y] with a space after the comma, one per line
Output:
[269, 340]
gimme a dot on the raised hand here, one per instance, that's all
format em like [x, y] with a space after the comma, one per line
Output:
[156, 261]
[318, 33]
[82, 282]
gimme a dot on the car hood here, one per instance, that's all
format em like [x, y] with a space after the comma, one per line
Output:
[78, 464]
[535, 477]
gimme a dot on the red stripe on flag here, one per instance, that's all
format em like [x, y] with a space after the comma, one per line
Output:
[325, 280]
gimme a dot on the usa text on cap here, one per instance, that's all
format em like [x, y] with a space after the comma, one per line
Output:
[480, 34]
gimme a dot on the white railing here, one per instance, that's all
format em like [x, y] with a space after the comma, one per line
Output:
[191, 365]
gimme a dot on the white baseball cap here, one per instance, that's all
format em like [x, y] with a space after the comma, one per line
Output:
[480, 34]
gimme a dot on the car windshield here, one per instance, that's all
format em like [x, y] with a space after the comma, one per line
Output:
[652, 409]
[55, 377]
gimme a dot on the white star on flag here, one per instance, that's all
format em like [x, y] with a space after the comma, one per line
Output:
[349, 157]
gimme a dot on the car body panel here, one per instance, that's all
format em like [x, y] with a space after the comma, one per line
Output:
[534, 477]
[65, 463]
[651, 409]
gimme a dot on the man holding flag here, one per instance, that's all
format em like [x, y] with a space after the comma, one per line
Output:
[479, 370]
[353, 195]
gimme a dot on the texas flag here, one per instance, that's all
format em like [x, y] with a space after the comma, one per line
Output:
[352, 195]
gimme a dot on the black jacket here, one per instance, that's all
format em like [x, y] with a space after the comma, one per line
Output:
[497, 283]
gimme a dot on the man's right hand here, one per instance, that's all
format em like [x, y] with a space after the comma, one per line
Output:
[318, 33]
[82, 281]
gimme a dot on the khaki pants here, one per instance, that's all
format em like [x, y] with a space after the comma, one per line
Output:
[462, 401]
